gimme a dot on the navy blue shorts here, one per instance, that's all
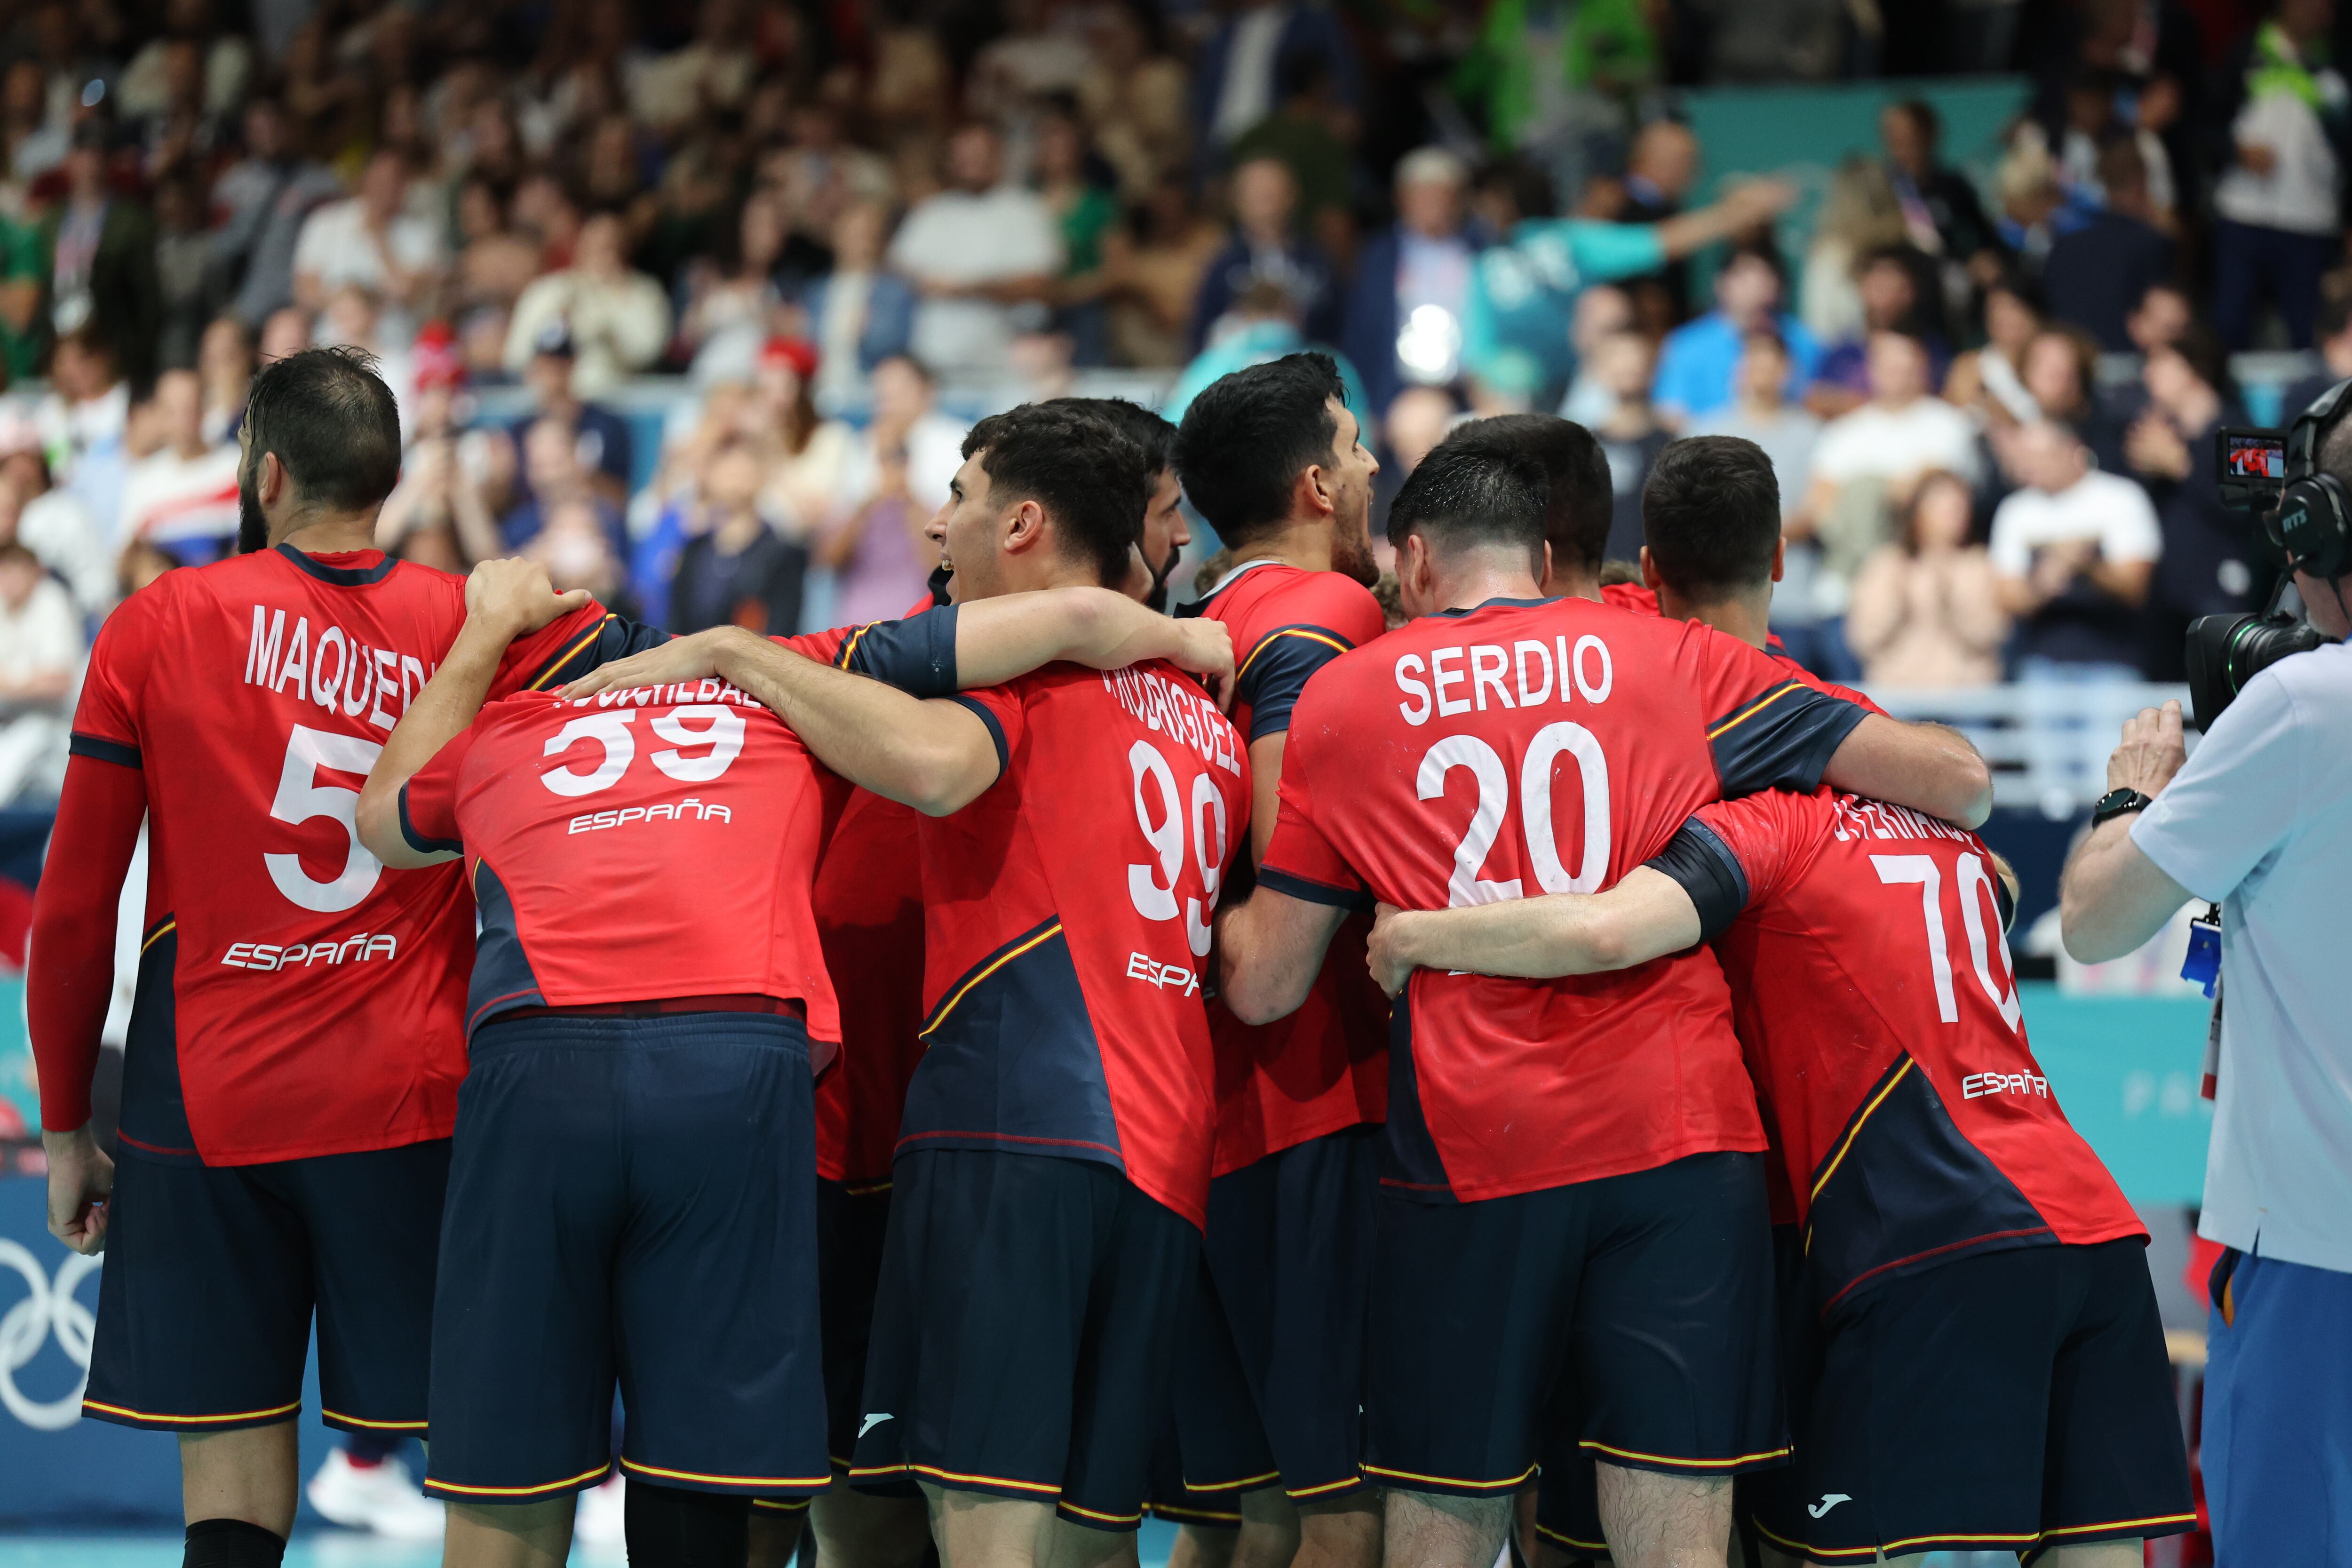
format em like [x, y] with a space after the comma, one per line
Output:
[213, 1274]
[1633, 1312]
[633, 1199]
[851, 1221]
[2015, 1400]
[1170, 1499]
[1024, 1331]
[1270, 1386]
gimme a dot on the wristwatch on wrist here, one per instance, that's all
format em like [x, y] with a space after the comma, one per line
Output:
[2116, 802]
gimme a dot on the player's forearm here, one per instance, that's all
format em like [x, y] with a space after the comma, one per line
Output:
[2112, 898]
[1647, 915]
[1270, 947]
[997, 639]
[932, 756]
[440, 713]
[70, 973]
[1923, 766]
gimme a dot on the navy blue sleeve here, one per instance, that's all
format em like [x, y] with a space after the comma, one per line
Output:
[917, 654]
[1783, 739]
[995, 729]
[1709, 872]
[420, 841]
[1310, 892]
[1275, 672]
[616, 638]
[104, 750]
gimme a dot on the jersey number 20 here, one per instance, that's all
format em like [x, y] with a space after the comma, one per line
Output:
[1553, 742]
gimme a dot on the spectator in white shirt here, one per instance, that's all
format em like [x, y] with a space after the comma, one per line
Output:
[2277, 205]
[40, 644]
[617, 320]
[184, 496]
[2074, 550]
[53, 524]
[370, 239]
[983, 254]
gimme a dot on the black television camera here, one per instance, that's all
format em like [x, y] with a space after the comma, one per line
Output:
[2274, 474]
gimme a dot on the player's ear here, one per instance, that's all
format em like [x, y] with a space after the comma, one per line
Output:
[1779, 556]
[1650, 577]
[1314, 491]
[269, 481]
[1022, 526]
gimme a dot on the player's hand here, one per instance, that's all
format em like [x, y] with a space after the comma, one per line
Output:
[2151, 752]
[514, 596]
[81, 1180]
[680, 658]
[1205, 649]
[1389, 971]
[1753, 201]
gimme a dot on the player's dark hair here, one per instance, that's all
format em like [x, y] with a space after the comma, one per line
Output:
[332, 422]
[1577, 496]
[1247, 435]
[1088, 474]
[1140, 425]
[1460, 499]
[1711, 515]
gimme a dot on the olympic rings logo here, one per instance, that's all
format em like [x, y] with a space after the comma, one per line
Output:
[26, 1326]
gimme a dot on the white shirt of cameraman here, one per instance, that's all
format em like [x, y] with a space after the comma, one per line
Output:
[2259, 821]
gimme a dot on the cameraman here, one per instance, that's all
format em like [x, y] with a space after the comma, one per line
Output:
[2261, 821]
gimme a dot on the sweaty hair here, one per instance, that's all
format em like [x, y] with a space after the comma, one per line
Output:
[1139, 423]
[1087, 473]
[1711, 515]
[1248, 435]
[332, 421]
[1575, 490]
[1460, 499]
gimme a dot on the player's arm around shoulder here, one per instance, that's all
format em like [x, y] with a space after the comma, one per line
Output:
[1927, 767]
[504, 600]
[1647, 915]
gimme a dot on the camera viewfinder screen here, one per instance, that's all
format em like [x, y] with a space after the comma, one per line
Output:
[2251, 456]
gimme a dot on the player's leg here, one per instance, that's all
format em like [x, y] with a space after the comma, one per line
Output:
[975, 1530]
[1339, 1532]
[1560, 1527]
[246, 1475]
[1677, 1355]
[773, 1532]
[515, 1535]
[854, 1527]
[1203, 1546]
[1269, 1535]
[857, 1529]
[1221, 1444]
[1463, 1353]
[714, 1283]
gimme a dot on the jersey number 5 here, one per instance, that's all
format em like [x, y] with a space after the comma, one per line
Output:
[300, 797]
[1153, 887]
[1551, 743]
[1902, 869]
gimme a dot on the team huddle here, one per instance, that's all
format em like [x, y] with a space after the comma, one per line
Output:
[1549, 1071]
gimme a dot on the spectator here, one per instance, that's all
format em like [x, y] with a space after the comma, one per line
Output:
[40, 646]
[223, 63]
[806, 458]
[1940, 212]
[2333, 332]
[733, 306]
[2094, 273]
[372, 241]
[225, 363]
[1988, 380]
[982, 255]
[557, 477]
[1659, 171]
[1764, 412]
[1157, 272]
[1886, 282]
[1303, 136]
[140, 564]
[52, 523]
[600, 436]
[1859, 217]
[860, 313]
[286, 331]
[100, 251]
[1084, 211]
[578, 547]
[2162, 315]
[2074, 550]
[1405, 312]
[1417, 420]
[85, 422]
[1630, 436]
[1699, 365]
[1601, 312]
[1267, 247]
[2212, 563]
[899, 475]
[1263, 326]
[738, 571]
[2276, 204]
[616, 319]
[183, 261]
[2061, 372]
[184, 496]
[23, 332]
[263, 199]
[1926, 608]
[1134, 96]
[1234, 83]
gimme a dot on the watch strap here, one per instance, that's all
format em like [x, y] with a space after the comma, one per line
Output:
[2116, 802]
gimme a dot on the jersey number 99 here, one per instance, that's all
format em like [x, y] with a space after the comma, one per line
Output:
[1152, 887]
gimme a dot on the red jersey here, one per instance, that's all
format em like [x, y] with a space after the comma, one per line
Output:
[634, 846]
[315, 1000]
[1066, 922]
[1872, 989]
[1324, 1067]
[869, 916]
[1530, 745]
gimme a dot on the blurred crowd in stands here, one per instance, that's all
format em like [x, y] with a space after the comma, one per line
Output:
[693, 303]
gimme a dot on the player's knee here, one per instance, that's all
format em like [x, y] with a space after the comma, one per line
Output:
[669, 1527]
[232, 1543]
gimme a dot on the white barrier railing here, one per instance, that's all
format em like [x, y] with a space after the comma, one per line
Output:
[2048, 743]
